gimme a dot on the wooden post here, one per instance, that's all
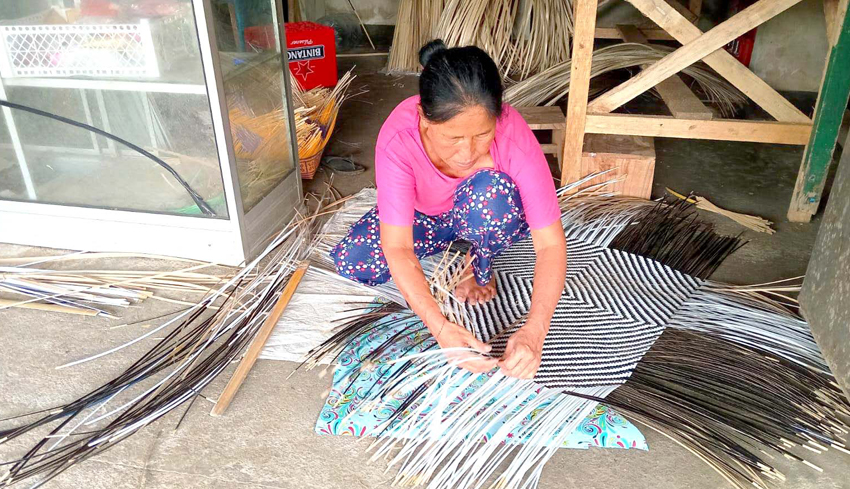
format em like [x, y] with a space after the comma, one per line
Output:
[259, 342]
[829, 110]
[582, 57]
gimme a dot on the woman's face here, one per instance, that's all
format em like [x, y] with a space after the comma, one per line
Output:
[461, 141]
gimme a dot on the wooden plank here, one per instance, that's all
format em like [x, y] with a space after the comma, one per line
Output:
[830, 14]
[629, 159]
[558, 141]
[651, 34]
[721, 61]
[582, 56]
[717, 129]
[690, 53]
[681, 101]
[259, 341]
[829, 110]
[543, 117]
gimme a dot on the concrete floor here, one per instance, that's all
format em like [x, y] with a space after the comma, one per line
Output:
[266, 439]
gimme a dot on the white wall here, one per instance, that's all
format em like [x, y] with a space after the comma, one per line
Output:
[381, 12]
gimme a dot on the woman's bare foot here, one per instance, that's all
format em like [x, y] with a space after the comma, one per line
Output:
[470, 292]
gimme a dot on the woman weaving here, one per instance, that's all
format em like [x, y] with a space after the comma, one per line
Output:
[456, 163]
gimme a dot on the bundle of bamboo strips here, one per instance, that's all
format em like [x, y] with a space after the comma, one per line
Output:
[199, 343]
[316, 111]
[756, 223]
[486, 24]
[416, 25]
[261, 138]
[551, 85]
[541, 37]
[83, 291]
[521, 37]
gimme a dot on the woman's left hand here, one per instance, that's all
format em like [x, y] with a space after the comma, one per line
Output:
[525, 348]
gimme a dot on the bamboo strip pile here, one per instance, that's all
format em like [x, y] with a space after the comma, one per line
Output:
[199, 343]
[541, 38]
[553, 84]
[522, 36]
[416, 24]
[261, 138]
[84, 291]
[755, 223]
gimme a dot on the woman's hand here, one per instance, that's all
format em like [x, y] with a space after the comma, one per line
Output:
[451, 335]
[524, 351]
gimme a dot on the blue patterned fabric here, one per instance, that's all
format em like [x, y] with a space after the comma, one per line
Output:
[603, 428]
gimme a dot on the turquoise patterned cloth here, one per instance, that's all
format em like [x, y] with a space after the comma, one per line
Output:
[604, 427]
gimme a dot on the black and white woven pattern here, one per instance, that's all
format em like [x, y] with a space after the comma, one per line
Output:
[614, 306]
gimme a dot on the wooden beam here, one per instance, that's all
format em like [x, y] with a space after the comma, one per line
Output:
[717, 129]
[690, 53]
[259, 341]
[650, 34]
[830, 14]
[724, 63]
[582, 57]
[681, 101]
[829, 110]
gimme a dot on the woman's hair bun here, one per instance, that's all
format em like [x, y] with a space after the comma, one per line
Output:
[429, 50]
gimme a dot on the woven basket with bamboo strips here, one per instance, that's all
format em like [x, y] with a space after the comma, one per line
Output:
[309, 165]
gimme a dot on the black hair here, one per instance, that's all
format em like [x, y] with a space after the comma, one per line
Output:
[457, 78]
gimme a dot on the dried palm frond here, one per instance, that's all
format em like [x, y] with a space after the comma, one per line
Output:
[551, 85]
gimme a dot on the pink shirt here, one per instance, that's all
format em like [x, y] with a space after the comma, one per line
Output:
[407, 179]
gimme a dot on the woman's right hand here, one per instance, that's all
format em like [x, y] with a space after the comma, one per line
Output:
[451, 335]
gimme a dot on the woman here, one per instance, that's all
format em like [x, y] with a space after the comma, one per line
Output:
[457, 163]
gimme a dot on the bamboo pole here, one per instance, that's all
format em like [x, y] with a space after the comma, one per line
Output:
[259, 342]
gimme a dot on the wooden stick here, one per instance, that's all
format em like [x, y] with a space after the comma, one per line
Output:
[724, 63]
[362, 24]
[259, 342]
[585, 26]
[49, 307]
[690, 53]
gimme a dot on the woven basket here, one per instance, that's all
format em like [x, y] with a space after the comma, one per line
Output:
[309, 165]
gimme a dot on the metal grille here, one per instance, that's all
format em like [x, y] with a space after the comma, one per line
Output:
[120, 50]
